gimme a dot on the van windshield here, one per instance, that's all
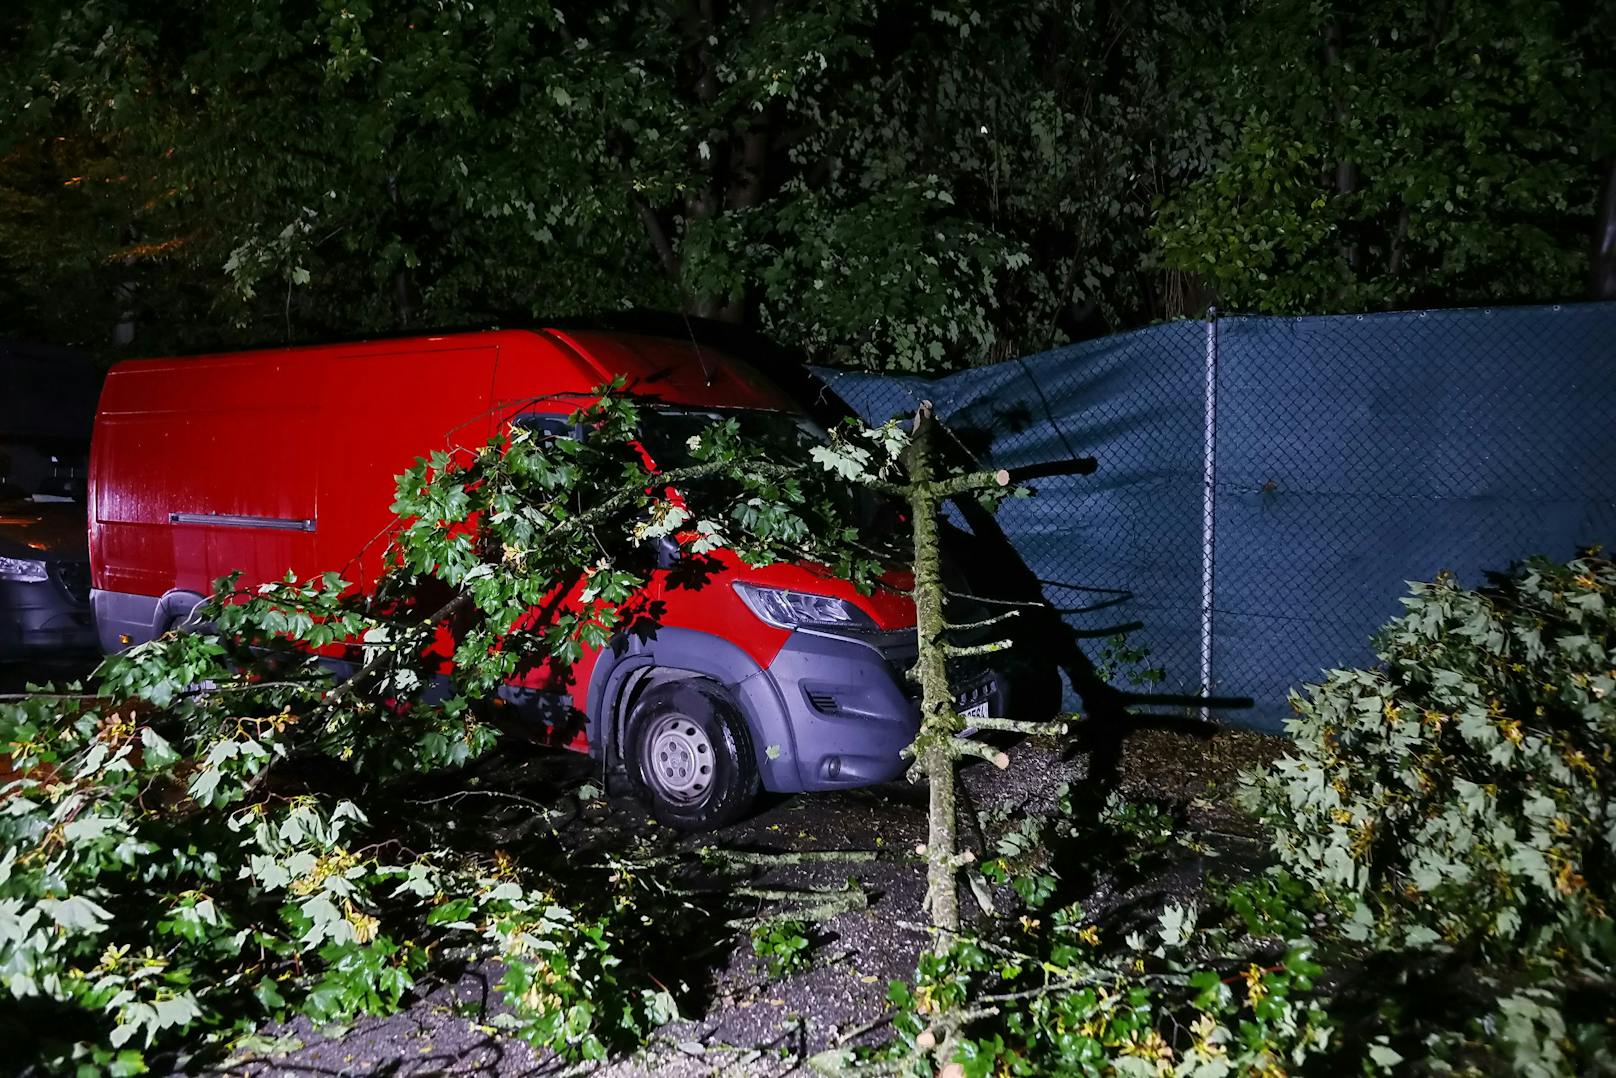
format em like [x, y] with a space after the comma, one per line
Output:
[666, 432]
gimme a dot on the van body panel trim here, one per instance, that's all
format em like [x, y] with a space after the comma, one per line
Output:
[119, 613]
[235, 520]
[847, 706]
[139, 617]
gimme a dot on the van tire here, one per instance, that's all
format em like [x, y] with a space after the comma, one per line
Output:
[690, 755]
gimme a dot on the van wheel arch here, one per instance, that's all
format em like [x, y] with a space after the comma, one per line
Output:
[175, 610]
[629, 666]
[638, 682]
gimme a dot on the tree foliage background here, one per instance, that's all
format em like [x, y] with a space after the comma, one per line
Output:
[878, 182]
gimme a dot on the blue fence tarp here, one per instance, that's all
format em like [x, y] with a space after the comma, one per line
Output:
[1346, 455]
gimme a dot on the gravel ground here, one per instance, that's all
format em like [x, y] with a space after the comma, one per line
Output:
[750, 1024]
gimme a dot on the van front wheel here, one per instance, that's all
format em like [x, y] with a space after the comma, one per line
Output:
[691, 757]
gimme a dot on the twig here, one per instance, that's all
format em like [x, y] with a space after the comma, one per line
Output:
[964, 746]
[458, 794]
[1001, 951]
[860, 1030]
[966, 626]
[830, 904]
[772, 894]
[747, 857]
[758, 858]
[952, 594]
[247, 686]
[448, 609]
[955, 485]
[19, 697]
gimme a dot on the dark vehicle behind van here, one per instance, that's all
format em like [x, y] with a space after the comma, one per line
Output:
[44, 578]
[47, 402]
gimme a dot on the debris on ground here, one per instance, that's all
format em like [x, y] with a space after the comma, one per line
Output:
[737, 1019]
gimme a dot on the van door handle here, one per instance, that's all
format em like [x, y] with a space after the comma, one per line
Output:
[232, 520]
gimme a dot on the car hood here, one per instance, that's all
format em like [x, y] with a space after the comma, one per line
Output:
[51, 530]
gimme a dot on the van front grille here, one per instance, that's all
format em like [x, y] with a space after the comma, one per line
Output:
[823, 701]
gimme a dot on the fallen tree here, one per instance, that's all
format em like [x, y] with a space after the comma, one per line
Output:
[219, 833]
[1437, 897]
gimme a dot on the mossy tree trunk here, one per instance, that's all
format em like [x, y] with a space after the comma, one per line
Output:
[938, 720]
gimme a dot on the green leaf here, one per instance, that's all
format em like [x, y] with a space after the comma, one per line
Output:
[76, 913]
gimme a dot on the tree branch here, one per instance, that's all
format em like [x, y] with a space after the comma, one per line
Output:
[966, 626]
[961, 650]
[964, 746]
[1019, 726]
[657, 234]
[956, 485]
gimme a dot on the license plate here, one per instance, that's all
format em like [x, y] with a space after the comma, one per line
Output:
[975, 711]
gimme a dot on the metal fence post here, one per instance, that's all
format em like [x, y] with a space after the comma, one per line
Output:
[1209, 475]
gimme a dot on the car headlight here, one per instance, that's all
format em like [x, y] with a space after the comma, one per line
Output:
[802, 609]
[27, 570]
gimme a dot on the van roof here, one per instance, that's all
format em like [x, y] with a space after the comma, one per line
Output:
[553, 361]
[678, 371]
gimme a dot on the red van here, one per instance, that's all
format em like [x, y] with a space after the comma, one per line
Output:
[780, 677]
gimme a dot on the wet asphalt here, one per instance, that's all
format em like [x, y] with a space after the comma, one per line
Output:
[17, 674]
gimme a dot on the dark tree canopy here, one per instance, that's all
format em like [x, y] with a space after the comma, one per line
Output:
[893, 184]
[1386, 155]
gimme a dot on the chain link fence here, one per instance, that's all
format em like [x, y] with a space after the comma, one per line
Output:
[1266, 487]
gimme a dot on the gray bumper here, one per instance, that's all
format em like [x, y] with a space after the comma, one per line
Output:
[123, 620]
[38, 617]
[847, 707]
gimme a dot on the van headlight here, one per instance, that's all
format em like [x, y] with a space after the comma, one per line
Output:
[802, 609]
[25, 570]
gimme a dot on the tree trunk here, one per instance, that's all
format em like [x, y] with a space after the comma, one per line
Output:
[737, 166]
[401, 278]
[123, 332]
[1394, 262]
[1346, 173]
[938, 723]
[667, 258]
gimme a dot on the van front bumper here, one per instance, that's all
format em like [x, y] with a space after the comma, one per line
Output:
[38, 617]
[850, 708]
